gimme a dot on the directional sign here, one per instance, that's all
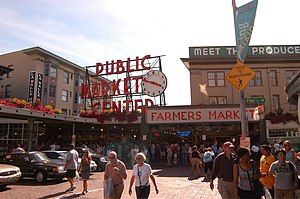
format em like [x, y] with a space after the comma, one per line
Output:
[240, 75]
[255, 100]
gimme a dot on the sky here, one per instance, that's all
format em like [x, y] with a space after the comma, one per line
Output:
[91, 31]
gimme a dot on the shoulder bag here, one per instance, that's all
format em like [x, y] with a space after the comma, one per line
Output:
[293, 174]
[257, 187]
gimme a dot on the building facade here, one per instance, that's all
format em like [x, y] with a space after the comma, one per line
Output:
[274, 67]
[40, 75]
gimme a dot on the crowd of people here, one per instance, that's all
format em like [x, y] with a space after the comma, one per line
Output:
[240, 176]
[241, 172]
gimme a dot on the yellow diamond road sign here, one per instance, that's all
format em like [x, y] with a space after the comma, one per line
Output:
[240, 75]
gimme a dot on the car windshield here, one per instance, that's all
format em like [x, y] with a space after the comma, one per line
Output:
[38, 156]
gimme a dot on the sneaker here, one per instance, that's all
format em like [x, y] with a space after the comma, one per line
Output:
[72, 188]
[68, 189]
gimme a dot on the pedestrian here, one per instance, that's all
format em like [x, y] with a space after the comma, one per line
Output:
[19, 149]
[223, 169]
[195, 162]
[141, 173]
[169, 156]
[133, 153]
[208, 160]
[71, 167]
[115, 170]
[184, 153]
[284, 185]
[265, 162]
[244, 174]
[85, 169]
[255, 153]
[290, 152]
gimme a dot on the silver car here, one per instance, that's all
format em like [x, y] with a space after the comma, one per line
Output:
[61, 156]
[9, 174]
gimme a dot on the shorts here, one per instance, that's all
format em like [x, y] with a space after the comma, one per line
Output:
[71, 173]
[195, 161]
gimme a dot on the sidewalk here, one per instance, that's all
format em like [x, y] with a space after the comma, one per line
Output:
[172, 183]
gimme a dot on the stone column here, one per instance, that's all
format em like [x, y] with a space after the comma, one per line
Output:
[30, 132]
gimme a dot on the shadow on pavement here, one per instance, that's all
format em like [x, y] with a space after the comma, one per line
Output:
[2, 189]
[53, 195]
[33, 182]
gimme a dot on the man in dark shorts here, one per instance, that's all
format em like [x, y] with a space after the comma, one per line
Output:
[71, 167]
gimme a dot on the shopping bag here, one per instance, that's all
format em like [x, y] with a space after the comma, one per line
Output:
[267, 194]
[108, 187]
[76, 179]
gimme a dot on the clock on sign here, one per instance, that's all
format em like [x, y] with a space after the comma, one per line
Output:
[154, 83]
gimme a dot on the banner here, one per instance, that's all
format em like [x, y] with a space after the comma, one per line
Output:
[245, 16]
[31, 86]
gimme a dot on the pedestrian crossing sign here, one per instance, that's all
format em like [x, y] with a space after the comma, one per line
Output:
[240, 75]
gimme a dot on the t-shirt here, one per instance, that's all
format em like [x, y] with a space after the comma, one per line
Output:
[72, 156]
[265, 163]
[144, 172]
[283, 175]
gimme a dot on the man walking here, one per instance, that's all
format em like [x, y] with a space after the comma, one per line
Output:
[71, 167]
[223, 169]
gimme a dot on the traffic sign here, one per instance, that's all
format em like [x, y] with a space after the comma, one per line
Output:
[240, 75]
[255, 100]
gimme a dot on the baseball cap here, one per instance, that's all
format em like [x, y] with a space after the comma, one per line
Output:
[228, 144]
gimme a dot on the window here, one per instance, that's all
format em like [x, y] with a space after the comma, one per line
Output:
[66, 77]
[276, 102]
[64, 95]
[216, 78]
[218, 100]
[8, 91]
[53, 71]
[289, 74]
[256, 81]
[283, 133]
[52, 91]
[10, 74]
[273, 78]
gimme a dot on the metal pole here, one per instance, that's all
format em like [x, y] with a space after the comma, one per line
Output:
[242, 96]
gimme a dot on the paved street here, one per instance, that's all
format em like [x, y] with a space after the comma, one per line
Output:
[172, 183]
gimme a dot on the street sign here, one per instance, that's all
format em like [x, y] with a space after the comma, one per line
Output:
[255, 100]
[240, 75]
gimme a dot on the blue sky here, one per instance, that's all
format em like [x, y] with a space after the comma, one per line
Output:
[86, 32]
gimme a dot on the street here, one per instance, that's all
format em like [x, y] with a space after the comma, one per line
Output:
[172, 183]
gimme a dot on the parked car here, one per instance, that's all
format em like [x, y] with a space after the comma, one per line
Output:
[100, 160]
[61, 157]
[36, 165]
[9, 174]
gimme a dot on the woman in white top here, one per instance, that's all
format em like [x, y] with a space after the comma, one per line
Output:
[141, 173]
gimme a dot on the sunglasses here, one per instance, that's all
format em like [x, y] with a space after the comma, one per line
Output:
[138, 158]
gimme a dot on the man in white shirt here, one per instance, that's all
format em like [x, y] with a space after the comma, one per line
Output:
[71, 167]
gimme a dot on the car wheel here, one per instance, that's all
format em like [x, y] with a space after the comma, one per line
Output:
[40, 176]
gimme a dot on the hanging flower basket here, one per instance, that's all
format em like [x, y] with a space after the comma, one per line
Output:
[36, 106]
[276, 118]
[108, 115]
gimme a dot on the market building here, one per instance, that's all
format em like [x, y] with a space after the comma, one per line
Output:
[214, 113]
[274, 67]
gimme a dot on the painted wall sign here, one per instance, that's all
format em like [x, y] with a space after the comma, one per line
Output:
[228, 51]
[198, 115]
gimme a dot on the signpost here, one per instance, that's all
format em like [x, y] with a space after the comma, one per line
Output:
[244, 17]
